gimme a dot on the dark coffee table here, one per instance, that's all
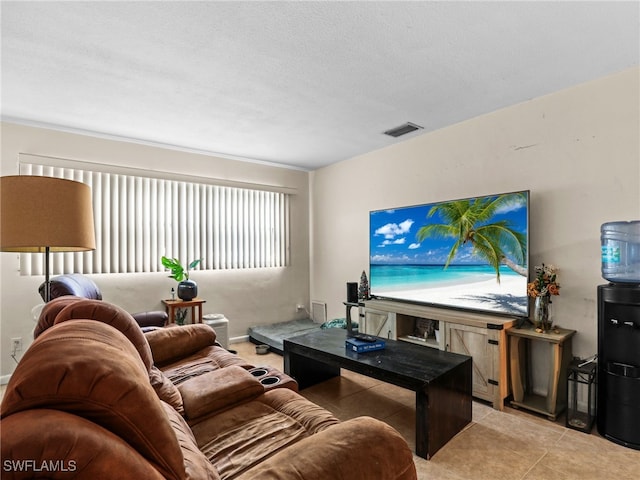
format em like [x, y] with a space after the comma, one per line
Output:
[441, 380]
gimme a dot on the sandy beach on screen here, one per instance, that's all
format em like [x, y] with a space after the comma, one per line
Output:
[509, 294]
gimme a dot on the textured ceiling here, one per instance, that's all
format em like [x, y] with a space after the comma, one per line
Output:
[301, 84]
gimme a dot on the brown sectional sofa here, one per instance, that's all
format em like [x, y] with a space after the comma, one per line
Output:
[89, 399]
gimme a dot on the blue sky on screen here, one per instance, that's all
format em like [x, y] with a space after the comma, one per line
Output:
[393, 236]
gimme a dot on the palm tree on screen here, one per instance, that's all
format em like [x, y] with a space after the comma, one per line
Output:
[469, 221]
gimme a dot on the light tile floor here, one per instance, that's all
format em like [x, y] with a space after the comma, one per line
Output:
[508, 445]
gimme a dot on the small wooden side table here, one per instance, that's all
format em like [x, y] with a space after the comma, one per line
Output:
[520, 369]
[194, 304]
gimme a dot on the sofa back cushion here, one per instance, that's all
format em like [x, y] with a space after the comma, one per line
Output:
[91, 370]
[174, 343]
[49, 313]
[112, 315]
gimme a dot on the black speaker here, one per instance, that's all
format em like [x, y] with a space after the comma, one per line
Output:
[352, 292]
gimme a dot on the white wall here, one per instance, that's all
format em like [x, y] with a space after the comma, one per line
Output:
[577, 151]
[246, 297]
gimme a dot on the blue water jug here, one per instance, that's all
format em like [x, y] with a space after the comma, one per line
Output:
[621, 251]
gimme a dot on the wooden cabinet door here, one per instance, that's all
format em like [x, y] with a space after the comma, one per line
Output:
[380, 324]
[474, 341]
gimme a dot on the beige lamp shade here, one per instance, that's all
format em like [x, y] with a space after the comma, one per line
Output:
[37, 213]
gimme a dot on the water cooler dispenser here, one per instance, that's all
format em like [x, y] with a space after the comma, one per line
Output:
[618, 415]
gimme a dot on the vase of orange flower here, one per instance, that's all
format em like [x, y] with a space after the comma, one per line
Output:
[542, 288]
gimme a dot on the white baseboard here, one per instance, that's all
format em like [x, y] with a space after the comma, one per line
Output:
[4, 379]
[240, 339]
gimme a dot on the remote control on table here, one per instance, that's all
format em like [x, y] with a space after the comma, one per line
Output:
[365, 338]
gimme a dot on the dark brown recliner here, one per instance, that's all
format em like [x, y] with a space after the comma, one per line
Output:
[78, 285]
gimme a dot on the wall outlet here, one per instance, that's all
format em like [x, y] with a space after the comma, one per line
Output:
[16, 345]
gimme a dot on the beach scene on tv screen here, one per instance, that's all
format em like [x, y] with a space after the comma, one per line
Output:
[469, 253]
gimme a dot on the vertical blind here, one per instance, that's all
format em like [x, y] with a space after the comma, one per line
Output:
[139, 219]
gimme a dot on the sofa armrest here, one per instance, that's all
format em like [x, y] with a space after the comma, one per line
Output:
[173, 343]
[358, 449]
[75, 284]
[72, 446]
[165, 389]
[156, 318]
[218, 390]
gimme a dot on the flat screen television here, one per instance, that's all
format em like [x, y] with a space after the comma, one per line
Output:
[470, 254]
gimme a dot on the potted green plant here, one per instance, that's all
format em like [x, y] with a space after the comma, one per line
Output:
[187, 289]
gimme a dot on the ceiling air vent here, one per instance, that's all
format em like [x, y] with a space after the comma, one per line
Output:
[403, 129]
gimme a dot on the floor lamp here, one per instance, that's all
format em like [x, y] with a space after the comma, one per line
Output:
[45, 214]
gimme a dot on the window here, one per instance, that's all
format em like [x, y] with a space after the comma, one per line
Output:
[138, 219]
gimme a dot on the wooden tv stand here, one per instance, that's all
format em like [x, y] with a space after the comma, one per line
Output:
[482, 336]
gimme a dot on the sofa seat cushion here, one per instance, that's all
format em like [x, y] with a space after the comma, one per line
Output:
[207, 359]
[312, 417]
[361, 448]
[218, 390]
[241, 437]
